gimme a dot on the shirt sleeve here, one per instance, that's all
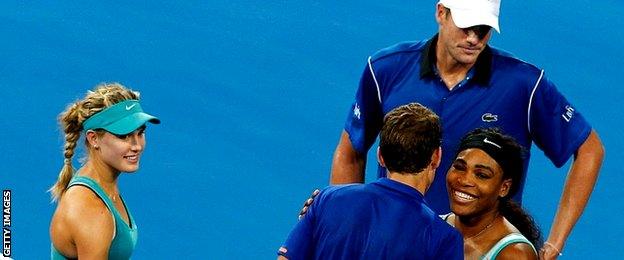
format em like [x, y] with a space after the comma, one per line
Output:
[300, 242]
[556, 126]
[365, 116]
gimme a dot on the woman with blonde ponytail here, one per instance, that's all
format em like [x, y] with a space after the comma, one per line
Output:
[91, 220]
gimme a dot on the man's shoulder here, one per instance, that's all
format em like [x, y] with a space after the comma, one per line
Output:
[503, 59]
[401, 49]
[348, 193]
[449, 241]
[440, 223]
[340, 190]
[338, 199]
[344, 189]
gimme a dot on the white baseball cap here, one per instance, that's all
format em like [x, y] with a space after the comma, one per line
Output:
[468, 13]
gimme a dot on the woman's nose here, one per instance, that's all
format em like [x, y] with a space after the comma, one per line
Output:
[136, 142]
[465, 180]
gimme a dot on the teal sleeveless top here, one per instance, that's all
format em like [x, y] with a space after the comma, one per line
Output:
[124, 236]
[500, 245]
[505, 241]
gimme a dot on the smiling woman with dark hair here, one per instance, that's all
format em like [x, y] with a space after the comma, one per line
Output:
[485, 175]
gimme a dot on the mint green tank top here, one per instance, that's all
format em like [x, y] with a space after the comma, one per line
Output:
[125, 236]
[505, 241]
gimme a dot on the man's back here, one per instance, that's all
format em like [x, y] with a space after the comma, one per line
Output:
[381, 220]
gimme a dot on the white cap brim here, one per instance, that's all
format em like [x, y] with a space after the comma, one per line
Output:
[467, 18]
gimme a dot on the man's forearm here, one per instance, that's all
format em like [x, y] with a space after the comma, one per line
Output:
[347, 165]
[577, 190]
[346, 172]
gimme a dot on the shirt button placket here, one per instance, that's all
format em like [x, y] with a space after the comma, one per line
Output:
[442, 103]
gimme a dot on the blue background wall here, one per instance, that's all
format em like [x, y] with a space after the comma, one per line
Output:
[253, 96]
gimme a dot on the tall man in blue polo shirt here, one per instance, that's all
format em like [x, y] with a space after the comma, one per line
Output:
[388, 218]
[469, 85]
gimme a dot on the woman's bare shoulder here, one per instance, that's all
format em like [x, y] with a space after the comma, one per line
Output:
[517, 251]
[80, 204]
[79, 215]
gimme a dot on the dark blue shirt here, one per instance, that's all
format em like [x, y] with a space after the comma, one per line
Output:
[499, 91]
[384, 219]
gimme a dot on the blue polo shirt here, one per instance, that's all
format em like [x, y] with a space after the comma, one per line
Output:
[384, 219]
[499, 91]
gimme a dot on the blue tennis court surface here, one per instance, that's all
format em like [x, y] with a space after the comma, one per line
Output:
[253, 96]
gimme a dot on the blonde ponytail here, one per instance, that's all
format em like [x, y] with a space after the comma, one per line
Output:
[71, 124]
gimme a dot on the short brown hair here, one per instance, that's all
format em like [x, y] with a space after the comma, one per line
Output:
[409, 136]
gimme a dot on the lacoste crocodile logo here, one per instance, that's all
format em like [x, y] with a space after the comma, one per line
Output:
[489, 117]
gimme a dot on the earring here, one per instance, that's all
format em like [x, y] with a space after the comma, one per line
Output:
[96, 147]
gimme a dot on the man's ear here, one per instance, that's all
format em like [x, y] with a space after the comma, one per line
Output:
[440, 13]
[505, 187]
[93, 139]
[436, 157]
[380, 158]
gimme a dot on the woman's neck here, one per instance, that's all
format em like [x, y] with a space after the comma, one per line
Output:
[473, 226]
[103, 174]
